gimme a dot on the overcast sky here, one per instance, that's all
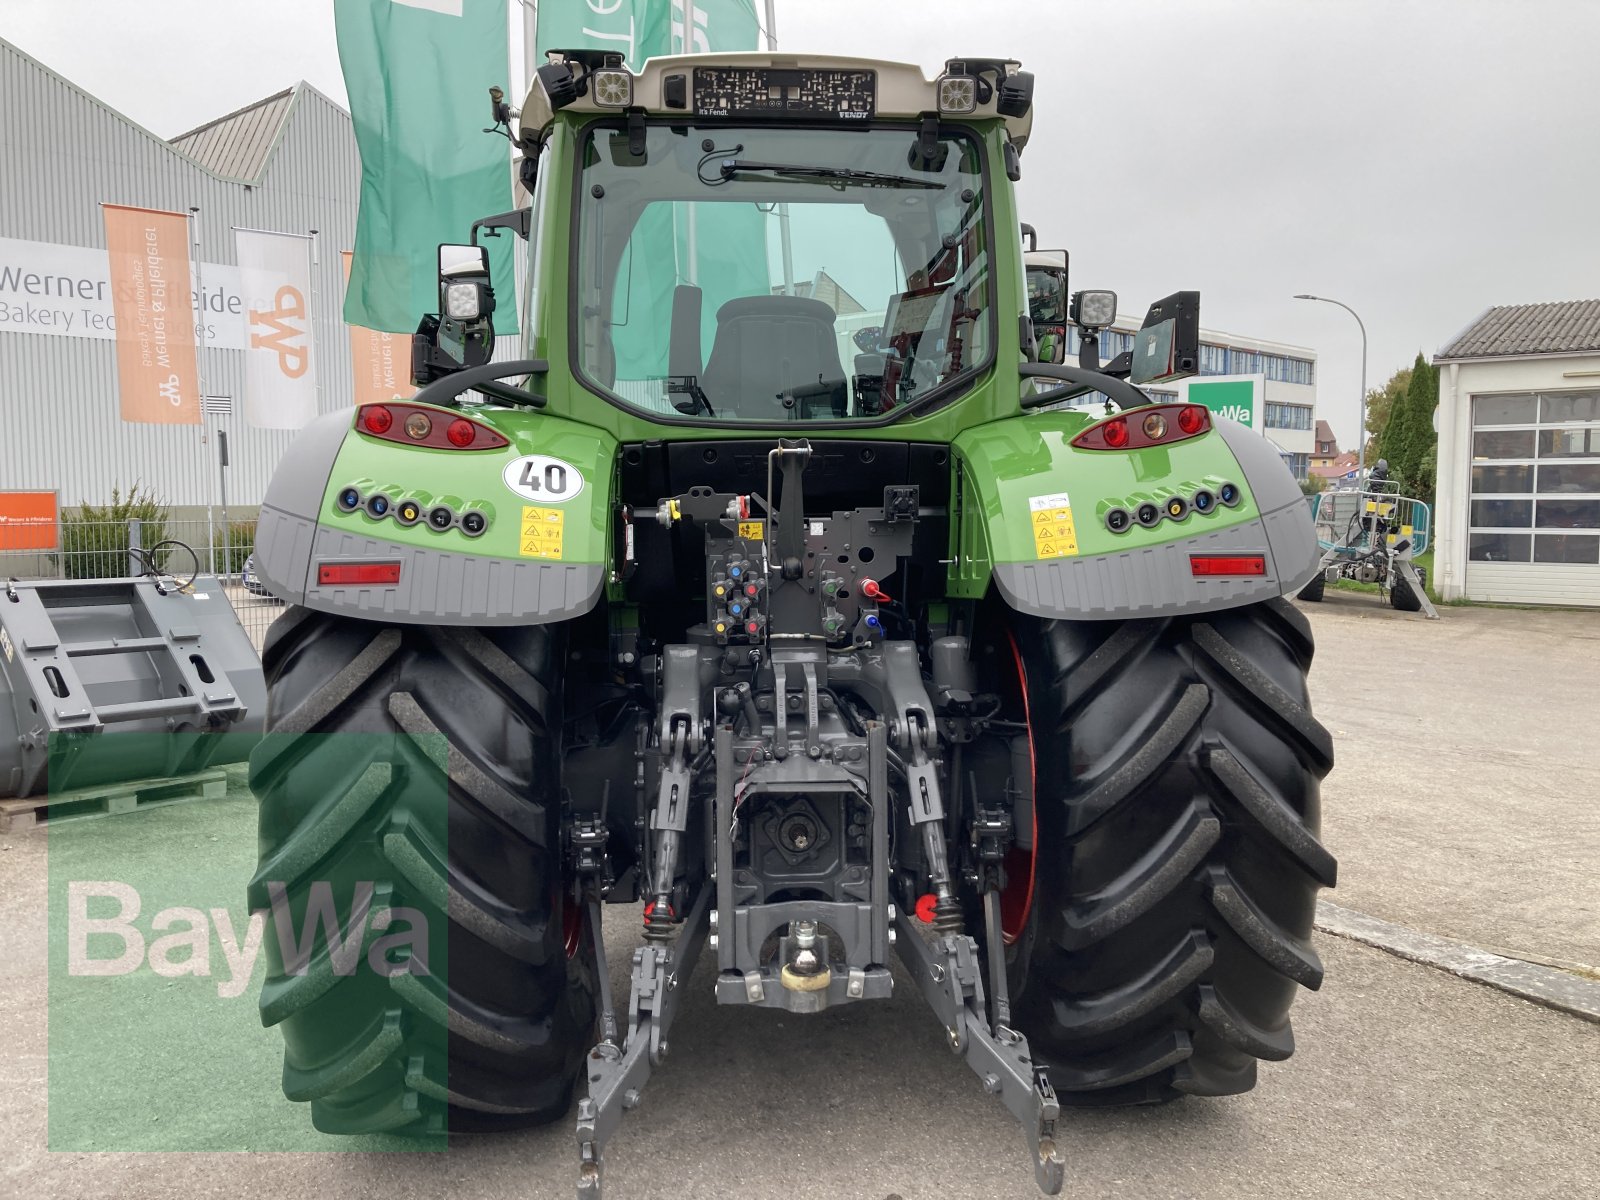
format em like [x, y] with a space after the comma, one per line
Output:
[1418, 159]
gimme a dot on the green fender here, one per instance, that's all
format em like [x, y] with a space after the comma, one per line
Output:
[545, 501]
[1031, 519]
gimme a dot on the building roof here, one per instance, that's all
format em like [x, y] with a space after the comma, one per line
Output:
[1564, 327]
[1325, 433]
[239, 144]
[1339, 467]
[826, 289]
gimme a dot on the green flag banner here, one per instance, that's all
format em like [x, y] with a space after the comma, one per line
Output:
[720, 263]
[418, 73]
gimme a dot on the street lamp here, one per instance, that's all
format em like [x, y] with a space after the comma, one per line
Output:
[1361, 430]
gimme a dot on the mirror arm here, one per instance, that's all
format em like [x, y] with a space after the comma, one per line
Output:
[1118, 391]
[518, 220]
[442, 391]
[1119, 367]
[1088, 349]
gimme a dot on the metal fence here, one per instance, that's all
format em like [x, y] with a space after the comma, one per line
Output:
[179, 547]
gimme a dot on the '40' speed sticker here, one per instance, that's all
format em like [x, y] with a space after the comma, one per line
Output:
[543, 479]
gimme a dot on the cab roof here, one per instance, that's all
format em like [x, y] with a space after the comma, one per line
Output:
[902, 90]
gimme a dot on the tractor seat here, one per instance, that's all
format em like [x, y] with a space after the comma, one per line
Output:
[767, 346]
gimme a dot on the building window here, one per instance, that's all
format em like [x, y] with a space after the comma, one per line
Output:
[1288, 416]
[1535, 480]
[1243, 362]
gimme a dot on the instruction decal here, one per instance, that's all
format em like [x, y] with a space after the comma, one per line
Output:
[5, 644]
[543, 479]
[1054, 534]
[541, 532]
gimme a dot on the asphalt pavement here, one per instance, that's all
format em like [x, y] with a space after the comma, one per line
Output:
[1461, 804]
[1465, 796]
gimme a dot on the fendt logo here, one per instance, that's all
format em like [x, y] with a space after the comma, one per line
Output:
[279, 333]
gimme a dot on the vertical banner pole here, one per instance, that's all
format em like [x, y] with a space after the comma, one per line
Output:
[200, 338]
[314, 314]
[783, 209]
[530, 43]
[227, 531]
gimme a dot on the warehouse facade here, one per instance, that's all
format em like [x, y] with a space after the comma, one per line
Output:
[1518, 515]
[287, 164]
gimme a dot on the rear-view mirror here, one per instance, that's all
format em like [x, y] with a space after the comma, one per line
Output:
[456, 261]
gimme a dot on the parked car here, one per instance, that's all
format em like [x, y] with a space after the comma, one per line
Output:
[251, 580]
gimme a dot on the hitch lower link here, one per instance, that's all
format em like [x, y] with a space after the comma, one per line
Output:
[617, 1074]
[947, 971]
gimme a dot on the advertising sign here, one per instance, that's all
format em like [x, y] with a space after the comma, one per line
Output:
[1234, 397]
[380, 362]
[28, 521]
[65, 291]
[279, 371]
[157, 370]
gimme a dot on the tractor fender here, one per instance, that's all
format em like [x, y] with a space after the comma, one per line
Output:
[1034, 508]
[509, 575]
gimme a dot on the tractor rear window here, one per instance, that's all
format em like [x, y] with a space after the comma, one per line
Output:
[776, 275]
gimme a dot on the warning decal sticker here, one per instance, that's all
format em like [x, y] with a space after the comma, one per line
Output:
[541, 532]
[1054, 534]
[751, 531]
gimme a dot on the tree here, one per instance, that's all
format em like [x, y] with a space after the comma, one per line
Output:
[1380, 404]
[1409, 441]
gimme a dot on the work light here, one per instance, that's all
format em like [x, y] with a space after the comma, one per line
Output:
[1093, 310]
[958, 94]
[463, 301]
[612, 88]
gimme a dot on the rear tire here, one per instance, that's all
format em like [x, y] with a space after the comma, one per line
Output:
[495, 1039]
[1315, 588]
[1176, 781]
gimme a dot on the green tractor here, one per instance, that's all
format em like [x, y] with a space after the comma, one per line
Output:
[771, 594]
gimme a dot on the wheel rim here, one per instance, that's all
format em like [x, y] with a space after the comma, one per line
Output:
[572, 927]
[1016, 898]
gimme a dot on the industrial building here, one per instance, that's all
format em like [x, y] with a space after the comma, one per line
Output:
[1518, 514]
[287, 164]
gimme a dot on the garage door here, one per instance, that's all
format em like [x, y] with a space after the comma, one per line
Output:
[1534, 524]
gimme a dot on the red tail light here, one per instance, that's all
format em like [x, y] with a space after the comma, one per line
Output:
[1155, 425]
[1227, 564]
[418, 425]
[352, 574]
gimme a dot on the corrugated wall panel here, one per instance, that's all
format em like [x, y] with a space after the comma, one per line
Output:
[65, 153]
[1567, 584]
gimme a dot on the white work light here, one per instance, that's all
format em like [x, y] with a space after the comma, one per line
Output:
[462, 301]
[1093, 310]
[958, 94]
[612, 89]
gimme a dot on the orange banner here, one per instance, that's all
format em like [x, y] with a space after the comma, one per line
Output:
[381, 362]
[158, 373]
[28, 521]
